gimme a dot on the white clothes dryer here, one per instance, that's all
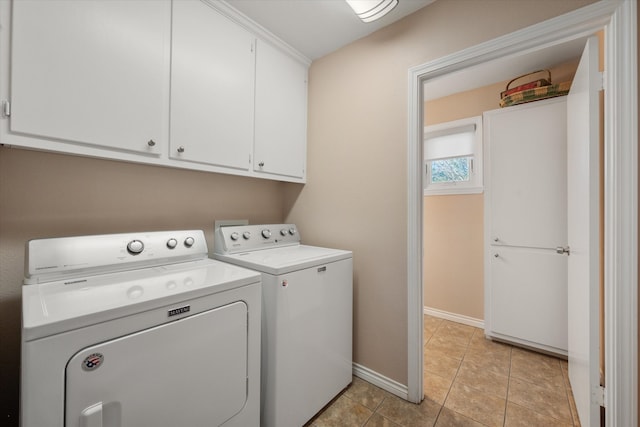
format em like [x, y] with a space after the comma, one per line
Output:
[307, 294]
[138, 329]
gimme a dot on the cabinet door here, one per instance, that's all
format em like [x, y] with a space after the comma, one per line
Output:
[527, 167]
[212, 87]
[529, 295]
[281, 113]
[91, 72]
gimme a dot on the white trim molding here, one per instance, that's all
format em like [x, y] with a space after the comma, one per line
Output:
[618, 19]
[621, 216]
[458, 318]
[380, 380]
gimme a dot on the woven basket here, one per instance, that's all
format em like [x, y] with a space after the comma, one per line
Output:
[533, 90]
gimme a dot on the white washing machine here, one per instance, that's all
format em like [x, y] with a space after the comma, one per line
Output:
[138, 329]
[307, 321]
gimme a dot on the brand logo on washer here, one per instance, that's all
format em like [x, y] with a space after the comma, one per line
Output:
[92, 362]
[179, 310]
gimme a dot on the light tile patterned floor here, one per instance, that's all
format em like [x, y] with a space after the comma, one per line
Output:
[469, 381]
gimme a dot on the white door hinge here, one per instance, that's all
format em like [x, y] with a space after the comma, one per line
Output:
[598, 396]
[601, 81]
[6, 108]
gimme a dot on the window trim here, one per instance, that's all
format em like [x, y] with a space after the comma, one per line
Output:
[475, 184]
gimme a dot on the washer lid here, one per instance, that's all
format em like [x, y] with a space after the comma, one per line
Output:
[285, 259]
[55, 307]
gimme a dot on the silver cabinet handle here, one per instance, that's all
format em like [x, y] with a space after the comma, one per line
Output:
[181, 149]
[496, 255]
[151, 143]
[563, 250]
[495, 239]
[261, 164]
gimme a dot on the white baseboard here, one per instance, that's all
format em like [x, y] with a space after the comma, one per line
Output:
[381, 381]
[459, 318]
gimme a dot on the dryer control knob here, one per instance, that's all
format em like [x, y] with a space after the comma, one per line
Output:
[134, 247]
[292, 231]
[234, 236]
[266, 233]
[172, 243]
[246, 235]
[189, 241]
[284, 232]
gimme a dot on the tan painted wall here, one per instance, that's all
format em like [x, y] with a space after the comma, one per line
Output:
[453, 225]
[356, 197]
[47, 195]
[453, 254]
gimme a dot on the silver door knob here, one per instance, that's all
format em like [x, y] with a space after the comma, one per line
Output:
[180, 149]
[563, 250]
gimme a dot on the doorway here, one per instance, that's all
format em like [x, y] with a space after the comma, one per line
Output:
[618, 20]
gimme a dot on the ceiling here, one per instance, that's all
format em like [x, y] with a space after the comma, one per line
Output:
[503, 69]
[318, 27]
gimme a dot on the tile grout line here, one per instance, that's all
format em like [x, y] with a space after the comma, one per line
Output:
[455, 377]
[450, 385]
[375, 411]
[506, 398]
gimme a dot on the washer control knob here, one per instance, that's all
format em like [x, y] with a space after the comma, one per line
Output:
[234, 236]
[246, 235]
[189, 241]
[292, 231]
[284, 232]
[134, 247]
[266, 233]
[172, 243]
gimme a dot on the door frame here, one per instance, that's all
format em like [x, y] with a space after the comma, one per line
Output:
[618, 19]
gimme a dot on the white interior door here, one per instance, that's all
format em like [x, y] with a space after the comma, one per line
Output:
[525, 156]
[525, 283]
[583, 222]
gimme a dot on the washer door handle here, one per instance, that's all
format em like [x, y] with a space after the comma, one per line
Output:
[92, 416]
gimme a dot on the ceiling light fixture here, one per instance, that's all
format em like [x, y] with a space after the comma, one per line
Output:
[370, 10]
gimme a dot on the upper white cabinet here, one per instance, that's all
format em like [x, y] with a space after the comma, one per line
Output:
[185, 83]
[91, 73]
[281, 113]
[212, 87]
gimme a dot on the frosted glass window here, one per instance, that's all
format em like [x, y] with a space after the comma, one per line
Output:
[453, 157]
[456, 169]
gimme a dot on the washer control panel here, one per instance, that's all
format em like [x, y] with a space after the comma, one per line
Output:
[245, 238]
[47, 258]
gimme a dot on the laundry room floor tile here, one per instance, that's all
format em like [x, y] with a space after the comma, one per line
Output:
[365, 394]
[469, 381]
[343, 412]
